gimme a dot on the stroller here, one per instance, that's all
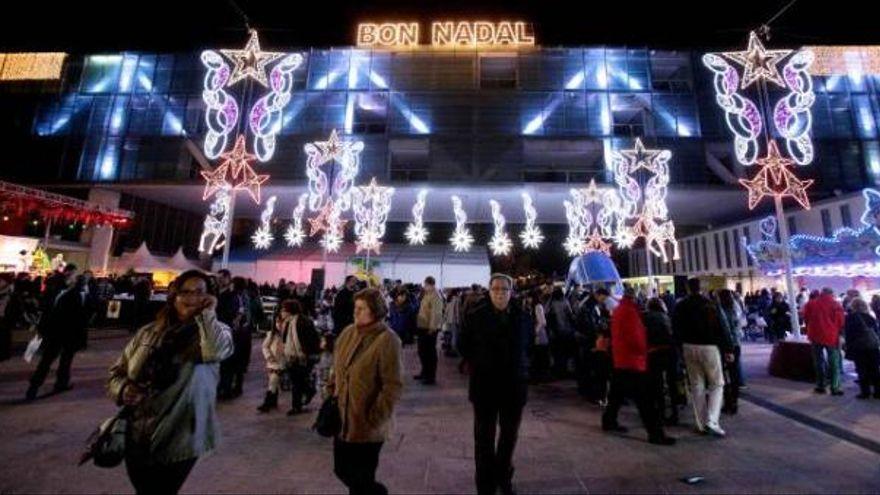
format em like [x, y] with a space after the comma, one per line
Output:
[755, 328]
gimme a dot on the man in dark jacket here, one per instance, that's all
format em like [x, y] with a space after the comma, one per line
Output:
[343, 305]
[591, 317]
[700, 326]
[231, 312]
[63, 329]
[493, 343]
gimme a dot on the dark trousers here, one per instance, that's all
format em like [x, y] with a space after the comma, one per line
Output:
[663, 368]
[51, 351]
[564, 349]
[494, 465]
[540, 362]
[301, 385]
[583, 369]
[601, 374]
[150, 479]
[428, 354]
[5, 341]
[634, 385]
[732, 380]
[868, 368]
[355, 465]
[228, 369]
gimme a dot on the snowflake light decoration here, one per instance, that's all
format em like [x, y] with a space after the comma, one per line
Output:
[500, 244]
[416, 233]
[461, 239]
[263, 237]
[531, 235]
[295, 234]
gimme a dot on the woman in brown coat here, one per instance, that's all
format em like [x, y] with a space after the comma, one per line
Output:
[367, 381]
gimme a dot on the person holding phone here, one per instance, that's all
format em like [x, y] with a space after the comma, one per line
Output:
[167, 380]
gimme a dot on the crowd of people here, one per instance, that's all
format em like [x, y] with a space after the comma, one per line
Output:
[658, 352]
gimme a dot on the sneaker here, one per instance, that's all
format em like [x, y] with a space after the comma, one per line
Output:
[837, 393]
[819, 390]
[716, 431]
[663, 440]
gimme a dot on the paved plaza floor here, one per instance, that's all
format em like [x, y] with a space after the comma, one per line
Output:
[561, 449]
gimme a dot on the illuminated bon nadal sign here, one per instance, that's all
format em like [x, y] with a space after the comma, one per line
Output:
[446, 34]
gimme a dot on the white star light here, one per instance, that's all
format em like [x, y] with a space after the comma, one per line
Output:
[461, 239]
[416, 233]
[295, 234]
[263, 237]
[500, 244]
[531, 235]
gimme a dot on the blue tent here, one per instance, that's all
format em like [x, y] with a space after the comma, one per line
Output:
[593, 267]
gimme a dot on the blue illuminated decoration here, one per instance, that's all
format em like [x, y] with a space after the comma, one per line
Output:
[848, 252]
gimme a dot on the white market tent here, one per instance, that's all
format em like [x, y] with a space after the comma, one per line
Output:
[410, 264]
[180, 263]
[140, 260]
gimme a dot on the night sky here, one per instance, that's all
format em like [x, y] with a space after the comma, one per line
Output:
[181, 25]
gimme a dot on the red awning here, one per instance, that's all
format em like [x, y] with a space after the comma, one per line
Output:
[20, 200]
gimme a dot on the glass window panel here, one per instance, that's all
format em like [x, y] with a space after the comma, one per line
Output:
[359, 71]
[841, 115]
[865, 127]
[370, 112]
[598, 114]
[826, 222]
[194, 120]
[671, 71]
[145, 73]
[872, 160]
[99, 116]
[823, 127]
[328, 69]
[172, 118]
[118, 116]
[101, 74]
[575, 109]
[595, 72]
[631, 114]
[836, 84]
[380, 70]
[846, 216]
[164, 71]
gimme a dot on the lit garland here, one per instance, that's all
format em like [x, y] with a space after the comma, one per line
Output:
[333, 232]
[741, 114]
[775, 179]
[461, 237]
[263, 237]
[500, 243]
[792, 116]
[319, 153]
[416, 233]
[250, 62]
[574, 243]
[591, 215]
[295, 234]
[221, 108]
[216, 222]
[265, 114]
[646, 208]
[371, 205]
[531, 235]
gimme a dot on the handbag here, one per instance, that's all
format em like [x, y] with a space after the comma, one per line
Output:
[329, 421]
[106, 445]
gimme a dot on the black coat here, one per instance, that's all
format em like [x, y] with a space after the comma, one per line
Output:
[65, 323]
[861, 333]
[307, 335]
[699, 321]
[497, 354]
[659, 328]
[343, 310]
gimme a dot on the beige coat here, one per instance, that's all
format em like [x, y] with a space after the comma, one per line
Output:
[367, 379]
[430, 312]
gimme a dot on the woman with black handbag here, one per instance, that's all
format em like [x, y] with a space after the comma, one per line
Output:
[366, 384]
[167, 377]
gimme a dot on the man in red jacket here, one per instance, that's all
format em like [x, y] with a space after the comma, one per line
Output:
[629, 354]
[824, 317]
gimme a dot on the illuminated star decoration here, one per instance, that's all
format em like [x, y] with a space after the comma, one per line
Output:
[236, 165]
[758, 63]
[645, 208]
[263, 237]
[333, 235]
[323, 222]
[531, 235]
[416, 233]
[295, 234]
[461, 239]
[371, 204]
[500, 243]
[775, 179]
[216, 222]
[591, 215]
[251, 61]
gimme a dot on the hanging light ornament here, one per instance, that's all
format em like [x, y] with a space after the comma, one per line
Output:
[531, 235]
[295, 234]
[263, 237]
[416, 233]
[643, 212]
[216, 223]
[265, 115]
[574, 243]
[371, 204]
[250, 62]
[461, 237]
[500, 243]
